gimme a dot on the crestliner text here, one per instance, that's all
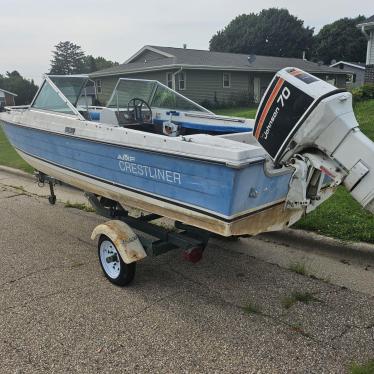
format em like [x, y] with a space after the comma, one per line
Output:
[127, 165]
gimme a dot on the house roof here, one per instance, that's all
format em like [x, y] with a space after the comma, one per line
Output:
[171, 57]
[8, 92]
[358, 65]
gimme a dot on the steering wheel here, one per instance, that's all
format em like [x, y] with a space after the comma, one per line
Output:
[135, 110]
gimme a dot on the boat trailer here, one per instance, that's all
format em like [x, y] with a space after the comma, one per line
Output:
[125, 239]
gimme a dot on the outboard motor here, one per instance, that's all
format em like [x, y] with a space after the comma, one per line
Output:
[309, 124]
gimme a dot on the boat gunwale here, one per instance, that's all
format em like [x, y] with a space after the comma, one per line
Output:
[229, 163]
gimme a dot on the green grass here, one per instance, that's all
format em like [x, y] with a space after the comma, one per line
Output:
[9, 157]
[364, 112]
[80, 206]
[367, 368]
[298, 268]
[302, 297]
[340, 217]
[237, 112]
[252, 309]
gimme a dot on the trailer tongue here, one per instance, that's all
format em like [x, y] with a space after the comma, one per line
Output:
[307, 123]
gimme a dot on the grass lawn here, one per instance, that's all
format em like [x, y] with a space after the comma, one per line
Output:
[9, 157]
[340, 217]
[237, 112]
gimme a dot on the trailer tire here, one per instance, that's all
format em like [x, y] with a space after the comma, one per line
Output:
[115, 270]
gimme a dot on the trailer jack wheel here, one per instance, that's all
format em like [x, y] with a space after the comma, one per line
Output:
[52, 200]
[118, 272]
[52, 196]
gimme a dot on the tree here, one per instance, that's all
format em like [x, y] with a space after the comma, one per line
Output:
[272, 32]
[24, 88]
[68, 58]
[92, 64]
[340, 40]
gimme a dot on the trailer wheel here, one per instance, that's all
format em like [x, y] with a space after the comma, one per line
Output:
[118, 272]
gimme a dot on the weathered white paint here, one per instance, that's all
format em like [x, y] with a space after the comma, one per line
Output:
[124, 238]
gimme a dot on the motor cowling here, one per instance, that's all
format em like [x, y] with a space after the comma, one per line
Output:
[302, 114]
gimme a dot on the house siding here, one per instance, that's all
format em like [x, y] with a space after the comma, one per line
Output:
[358, 72]
[108, 83]
[369, 74]
[9, 99]
[206, 86]
[370, 49]
[148, 56]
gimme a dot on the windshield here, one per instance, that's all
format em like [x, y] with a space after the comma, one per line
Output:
[129, 89]
[49, 99]
[71, 87]
[154, 93]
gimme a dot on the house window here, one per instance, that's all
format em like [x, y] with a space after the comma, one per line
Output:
[182, 80]
[226, 80]
[169, 80]
[330, 79]
[350, 78]
[98, 86]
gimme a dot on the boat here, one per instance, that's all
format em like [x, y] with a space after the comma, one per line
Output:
[153, 149]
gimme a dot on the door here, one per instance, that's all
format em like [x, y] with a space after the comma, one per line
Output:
[256, 89]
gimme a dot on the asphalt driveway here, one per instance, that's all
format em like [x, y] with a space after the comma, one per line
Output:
[228, 313]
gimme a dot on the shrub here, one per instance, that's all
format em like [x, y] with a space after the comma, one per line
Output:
[365, 92]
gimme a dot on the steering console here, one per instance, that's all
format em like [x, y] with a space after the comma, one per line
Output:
[139, 111]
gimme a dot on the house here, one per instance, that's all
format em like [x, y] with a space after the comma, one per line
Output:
[355, 72]
[7, 98]
[208, 77]
[367, 28]
[88, 96]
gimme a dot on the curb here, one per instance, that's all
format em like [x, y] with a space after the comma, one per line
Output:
[24, 174]
[302, 239]
[19, 172]
[309, 241]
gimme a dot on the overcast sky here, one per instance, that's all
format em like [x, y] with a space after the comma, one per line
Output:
[116, 29]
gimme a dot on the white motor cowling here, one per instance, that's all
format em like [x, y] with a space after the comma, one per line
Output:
[303, 115]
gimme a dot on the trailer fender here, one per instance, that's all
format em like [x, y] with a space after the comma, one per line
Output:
[124, 238]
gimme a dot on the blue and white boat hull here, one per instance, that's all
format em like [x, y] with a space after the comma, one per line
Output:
[229, 200]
